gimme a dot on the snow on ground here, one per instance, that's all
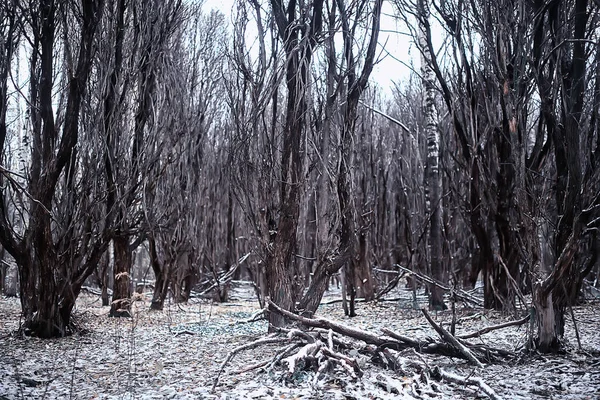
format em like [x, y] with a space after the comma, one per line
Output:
[176, 353]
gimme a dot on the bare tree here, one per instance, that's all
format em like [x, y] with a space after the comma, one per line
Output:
[561, 70]
[354, 85]
[184, 206]
[137, 35]
[51, 278]
[298, 28]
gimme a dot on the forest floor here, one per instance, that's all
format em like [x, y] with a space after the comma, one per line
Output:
[176, 354]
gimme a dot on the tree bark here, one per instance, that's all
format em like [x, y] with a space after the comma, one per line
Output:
[559, 289]
[121, 298]
[161, 275]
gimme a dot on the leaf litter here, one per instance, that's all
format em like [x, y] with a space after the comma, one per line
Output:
[177, 353]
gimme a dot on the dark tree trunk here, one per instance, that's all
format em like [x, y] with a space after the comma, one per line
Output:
[103, 279]
[161, 289]
[364, 279]
[186, 278]
[121, 299]
[50, 281]
[299, 46]
[558, 290]
[161, 274]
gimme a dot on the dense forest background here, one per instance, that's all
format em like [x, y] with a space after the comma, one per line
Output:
[162, 135]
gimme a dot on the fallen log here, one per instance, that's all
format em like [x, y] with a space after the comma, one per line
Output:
[355, 333]
[331, 347]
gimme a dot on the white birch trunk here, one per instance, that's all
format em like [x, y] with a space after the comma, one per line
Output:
[433, 179]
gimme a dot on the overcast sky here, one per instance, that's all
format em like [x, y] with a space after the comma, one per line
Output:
[393, 39]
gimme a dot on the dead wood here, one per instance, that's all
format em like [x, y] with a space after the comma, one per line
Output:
[396, 341]
[414, 343]
[488, 329]
[306, 353]
[359, 334]
[350, 364]
[271, 339]
[447, 336]
[450, 377]
[253, 367]
[360, 300]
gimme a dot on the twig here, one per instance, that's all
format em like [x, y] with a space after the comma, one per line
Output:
[512, 281]
[334, 301]
[7, 174]
[256, 316]
[283, 354]
[354, 368]
[358, 300]
[461, 294]
[445, 335]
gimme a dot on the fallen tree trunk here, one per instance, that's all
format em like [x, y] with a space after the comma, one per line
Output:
[322, 352]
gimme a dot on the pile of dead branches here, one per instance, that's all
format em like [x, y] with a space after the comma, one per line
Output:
[324, 346]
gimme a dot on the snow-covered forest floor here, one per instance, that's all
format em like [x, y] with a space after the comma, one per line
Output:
[176, 354]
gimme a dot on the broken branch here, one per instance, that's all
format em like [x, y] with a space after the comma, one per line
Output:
[447, 336]
[488, 329]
